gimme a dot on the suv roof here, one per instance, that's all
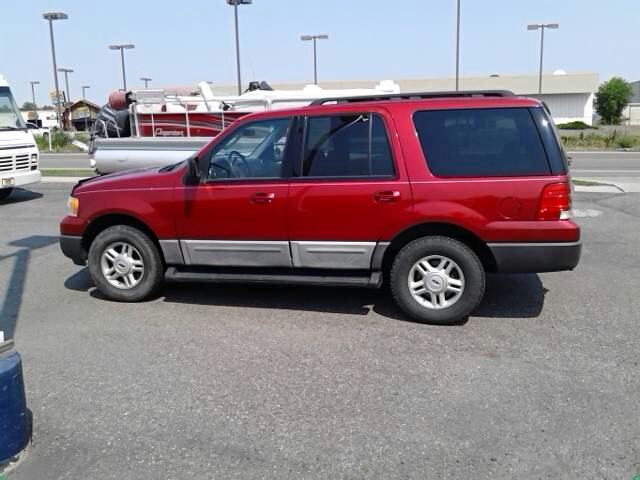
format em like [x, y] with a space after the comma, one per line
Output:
[426, 100]
[416, 96]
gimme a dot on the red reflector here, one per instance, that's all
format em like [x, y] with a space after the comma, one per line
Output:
[555, 202]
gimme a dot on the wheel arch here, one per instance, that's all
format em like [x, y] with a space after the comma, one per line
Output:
[450, 230]
[102, 222]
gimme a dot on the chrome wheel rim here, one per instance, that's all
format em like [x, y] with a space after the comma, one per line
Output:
[436, 282]
[122, 265]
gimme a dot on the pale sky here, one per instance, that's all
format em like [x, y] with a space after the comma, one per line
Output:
[182, 43]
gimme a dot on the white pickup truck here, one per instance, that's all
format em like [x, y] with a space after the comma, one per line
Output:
[18, 150]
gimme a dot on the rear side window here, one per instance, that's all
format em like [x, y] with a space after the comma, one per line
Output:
[481, 142]
[338, 146]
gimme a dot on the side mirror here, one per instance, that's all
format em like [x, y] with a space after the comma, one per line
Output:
[192, 175]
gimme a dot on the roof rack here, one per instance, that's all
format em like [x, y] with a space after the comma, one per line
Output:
[416, 95]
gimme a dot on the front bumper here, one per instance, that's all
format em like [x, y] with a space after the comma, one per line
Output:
[21, 178]
[536, 257]
[71, 246]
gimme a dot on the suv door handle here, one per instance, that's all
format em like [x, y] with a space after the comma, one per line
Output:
[262, 197]
[386, 196]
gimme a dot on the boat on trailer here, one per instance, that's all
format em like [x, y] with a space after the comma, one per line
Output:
[155, 127]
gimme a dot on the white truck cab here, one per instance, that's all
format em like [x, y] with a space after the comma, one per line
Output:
[18, 150]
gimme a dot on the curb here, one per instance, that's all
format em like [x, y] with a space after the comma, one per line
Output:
[61, 179]
[598, 189]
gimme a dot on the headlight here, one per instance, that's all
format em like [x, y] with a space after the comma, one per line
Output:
[73, 205]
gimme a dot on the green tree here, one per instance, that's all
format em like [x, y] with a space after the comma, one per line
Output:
[611, 98]
[29, 106]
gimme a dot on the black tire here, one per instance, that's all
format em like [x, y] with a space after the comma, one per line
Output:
[5, 192]
[152, 276]
[462, 255]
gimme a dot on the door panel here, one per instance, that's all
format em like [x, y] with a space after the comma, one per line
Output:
[352, 190]
[237, 217]
[344, 210]
[214, 212]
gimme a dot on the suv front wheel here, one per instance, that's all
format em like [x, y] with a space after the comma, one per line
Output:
[437, 280]
[125, 264]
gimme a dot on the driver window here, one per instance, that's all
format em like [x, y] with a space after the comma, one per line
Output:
[254, 150]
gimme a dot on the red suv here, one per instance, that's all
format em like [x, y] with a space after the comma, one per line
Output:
[426, 191]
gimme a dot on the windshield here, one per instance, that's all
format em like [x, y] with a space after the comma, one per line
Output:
[10, 117]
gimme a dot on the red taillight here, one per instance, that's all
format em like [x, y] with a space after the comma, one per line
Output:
[555, 202]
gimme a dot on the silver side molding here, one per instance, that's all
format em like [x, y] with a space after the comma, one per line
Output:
[171, 252]
[339, 255]
[236, 253]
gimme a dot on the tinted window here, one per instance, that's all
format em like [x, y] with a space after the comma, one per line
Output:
[347, 146]
[254, 150]
[497, 141]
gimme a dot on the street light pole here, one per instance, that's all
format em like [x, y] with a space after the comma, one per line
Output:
[235, 4]
[146, 81]
[541, 27]
[51, 16]
[66, 72]
[33, 92]
[306, 38]
[84, 100]
[458, 49]
[122, 48]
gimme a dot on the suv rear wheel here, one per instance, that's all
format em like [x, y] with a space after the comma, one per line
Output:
[125, 264]
[437, 280]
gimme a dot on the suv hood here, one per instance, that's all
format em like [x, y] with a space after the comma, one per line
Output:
[130, 180]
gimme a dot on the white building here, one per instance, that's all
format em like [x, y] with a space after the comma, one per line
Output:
[48, 118]
[569, 96]
[632, 112]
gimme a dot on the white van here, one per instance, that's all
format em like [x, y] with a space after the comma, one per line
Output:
[18, 150]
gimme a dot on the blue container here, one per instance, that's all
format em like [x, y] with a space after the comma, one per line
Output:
[14, 418]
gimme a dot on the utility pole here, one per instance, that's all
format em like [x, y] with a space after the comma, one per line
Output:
[122, 48]
[84, 100]
[235, 4]
[51, 16]
[33, 92]
[66, 72]
[315, 38]
[541, 27]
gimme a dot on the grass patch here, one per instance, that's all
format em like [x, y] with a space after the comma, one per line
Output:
[60, 142]
[600, 141]
[67, 172]
[589, 183]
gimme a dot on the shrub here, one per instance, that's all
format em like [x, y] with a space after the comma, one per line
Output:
[82, 137]
[577, 125]
[42, 142]
[60, 139]
[611, 98]
[625, 141]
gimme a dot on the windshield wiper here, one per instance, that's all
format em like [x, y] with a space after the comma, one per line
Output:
[4, 127]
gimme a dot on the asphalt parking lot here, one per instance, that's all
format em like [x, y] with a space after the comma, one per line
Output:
[212, 381]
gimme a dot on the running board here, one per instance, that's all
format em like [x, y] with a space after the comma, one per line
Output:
[275, 276]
